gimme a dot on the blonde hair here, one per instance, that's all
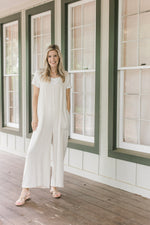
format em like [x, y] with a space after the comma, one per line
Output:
[47, 69]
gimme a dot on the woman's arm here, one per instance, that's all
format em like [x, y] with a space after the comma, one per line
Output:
[34, 107]
[68, 99]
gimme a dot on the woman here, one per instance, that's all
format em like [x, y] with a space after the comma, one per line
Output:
[44, 165]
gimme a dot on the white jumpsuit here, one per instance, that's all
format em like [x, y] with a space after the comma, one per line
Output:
[49, 141]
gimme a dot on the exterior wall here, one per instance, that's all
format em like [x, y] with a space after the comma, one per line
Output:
[118, 173]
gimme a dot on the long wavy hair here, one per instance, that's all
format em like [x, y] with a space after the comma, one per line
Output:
[47, 68]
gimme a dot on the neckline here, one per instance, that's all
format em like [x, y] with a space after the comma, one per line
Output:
[55, 77]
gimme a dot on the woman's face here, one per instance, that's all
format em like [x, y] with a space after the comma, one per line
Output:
[53, 59]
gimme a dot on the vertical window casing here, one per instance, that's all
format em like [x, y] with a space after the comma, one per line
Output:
[40, 34]
[81, 51]
[11, 96]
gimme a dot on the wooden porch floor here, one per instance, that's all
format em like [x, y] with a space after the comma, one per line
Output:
[83, 201]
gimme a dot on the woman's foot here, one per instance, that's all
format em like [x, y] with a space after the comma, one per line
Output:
[55, 193]
[25, 195]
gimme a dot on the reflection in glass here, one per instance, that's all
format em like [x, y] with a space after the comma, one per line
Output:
[144, 134]
[76, 63]
[76, 38]
[78, 82]
[130, 132]
[145, 81]
[130, 7]
[89, 126]
[145, 51]
[145, 25]
[78, 124]
[131, 106]
[130, 27]
[131, 81]
[129, 54]
[78, 103]
[76, 16]
[88, 13]
[144, 5]
[145, 107]
[41, 38]
[89, 104]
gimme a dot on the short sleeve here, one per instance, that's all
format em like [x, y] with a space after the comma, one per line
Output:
[68, 82]
[36, 79]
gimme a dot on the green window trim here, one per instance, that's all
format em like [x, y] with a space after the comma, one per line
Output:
[29, 13]
[113, 151]
[9, 130]
[76, 144]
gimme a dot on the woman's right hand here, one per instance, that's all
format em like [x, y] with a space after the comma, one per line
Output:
[34, 123]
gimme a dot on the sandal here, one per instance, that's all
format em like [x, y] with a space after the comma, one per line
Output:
[23, 198]
[55, 194]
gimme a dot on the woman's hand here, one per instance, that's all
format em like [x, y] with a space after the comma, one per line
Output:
[34, 123]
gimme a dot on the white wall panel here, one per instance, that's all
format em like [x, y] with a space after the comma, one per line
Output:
[19, 144]
[3, 140]
[143, 176]
[90, 162]
[107, 167]
[75, 158]
[126, 171]
[11, 143]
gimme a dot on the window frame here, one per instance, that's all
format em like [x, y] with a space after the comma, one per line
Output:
[31, 12]
[3, 128]
[73, 143]
[113, 151]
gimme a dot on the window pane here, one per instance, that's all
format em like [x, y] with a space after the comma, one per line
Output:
[90, 83]
[130, 133]
[76, 38]
[89, 13]
[89, 126]
[130, 7]
[145, 131]
[41, 38]
[46, 41]
[78, 103]
[78, 124]
[131, 106]
[145, 52]
[145, 107]
[46, 25]
[76, 16]
[131, 81]
[145, 25]
[130, 27]
[144, 5]
[78, 82]
[11, 70]
[89, 104]
[145, 81]
[81, 51]
[129, 54]
[76, 63]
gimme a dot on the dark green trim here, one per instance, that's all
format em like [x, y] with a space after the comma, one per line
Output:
[80, 145]
[113, 151]
[29, 13]
[9, 130]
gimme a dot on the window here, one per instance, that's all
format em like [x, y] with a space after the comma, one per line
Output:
[10, 74]
[40, 28]
[82, 62]
[134, 75]
[129, 76]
